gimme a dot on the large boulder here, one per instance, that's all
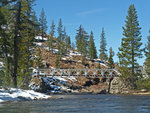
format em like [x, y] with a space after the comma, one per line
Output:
[49, 84]
[118, 87]
[38, 84]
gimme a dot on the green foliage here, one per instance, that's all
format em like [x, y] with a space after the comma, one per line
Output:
[110, 59]
[16, 42]
[50, 39]
[43, 22]
[60, 30]
[68, 42]
[60, 39]
[38, 60]
[130, 45]
[82, 41]
[91, 48]
[143, 84]
[103, 55]
[147, 54]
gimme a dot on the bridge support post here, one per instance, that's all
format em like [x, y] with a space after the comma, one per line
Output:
[109, 84]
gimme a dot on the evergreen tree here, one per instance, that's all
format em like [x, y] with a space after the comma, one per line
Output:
[38, 60]
[6, 40]
[59, 38]
[147, 54]
[17, 35]
[43, 22]
[36, 24]
[110, 59]
[68, 41]
[82, 41]
[26, 45]
[64, 45]
[17, 43]
[91, 48]
[73, 45]
[50, 39]
[130, 45]
[103, 55]
[60, 30]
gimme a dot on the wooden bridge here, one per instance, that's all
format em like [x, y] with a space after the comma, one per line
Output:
[89, 73]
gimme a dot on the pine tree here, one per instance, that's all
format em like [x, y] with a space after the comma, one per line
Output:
[6, 40]
[36, 24]
[68, 41]
[110, 59]
[17, 36]
[64, 45]
[91, 48]
[38, 59]
[26, 45]
[130, 45]
[50, 39]
[82, 41]
[59, 38]
[17, 43]
[73, 45]
[43, 22]
[103, 55]
[60, 30]
[147, 54]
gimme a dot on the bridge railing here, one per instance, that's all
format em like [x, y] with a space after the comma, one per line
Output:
[79, 72]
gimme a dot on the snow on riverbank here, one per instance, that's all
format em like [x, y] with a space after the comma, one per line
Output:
[18, 94]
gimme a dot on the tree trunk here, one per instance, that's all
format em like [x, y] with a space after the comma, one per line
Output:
[132, 70]
[15, 74]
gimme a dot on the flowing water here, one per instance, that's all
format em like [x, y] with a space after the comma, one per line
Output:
[88, 103]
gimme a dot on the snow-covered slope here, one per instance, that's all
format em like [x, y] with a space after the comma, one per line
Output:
[19, 94]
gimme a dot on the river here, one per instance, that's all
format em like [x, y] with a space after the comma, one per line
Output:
[81, 103]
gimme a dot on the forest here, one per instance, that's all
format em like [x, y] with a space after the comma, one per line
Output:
[19, 25]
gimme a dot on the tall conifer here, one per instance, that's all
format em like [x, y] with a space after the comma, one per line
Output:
[103, 55]
[110, 59]
[91, 48]
[131, 42]
[43, 22]
[82, 41]
[147, 54]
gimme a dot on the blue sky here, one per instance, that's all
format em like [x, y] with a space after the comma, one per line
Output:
[95, 14]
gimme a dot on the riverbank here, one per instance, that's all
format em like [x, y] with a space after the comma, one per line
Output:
[13, 94]
[142, 93]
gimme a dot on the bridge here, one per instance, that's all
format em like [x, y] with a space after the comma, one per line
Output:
[88, 73]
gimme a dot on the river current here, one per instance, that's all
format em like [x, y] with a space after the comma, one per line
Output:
[87, 103]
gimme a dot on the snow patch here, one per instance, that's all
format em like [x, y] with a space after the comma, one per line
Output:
[40, 38]
[74, 53]
[39, 44]
[16, 94]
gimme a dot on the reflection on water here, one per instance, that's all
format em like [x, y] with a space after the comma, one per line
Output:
[81, 104]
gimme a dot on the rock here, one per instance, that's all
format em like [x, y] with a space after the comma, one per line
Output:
[38, 84]
[118, 87]
[23, 98]
[103, 91]
[144, 90]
